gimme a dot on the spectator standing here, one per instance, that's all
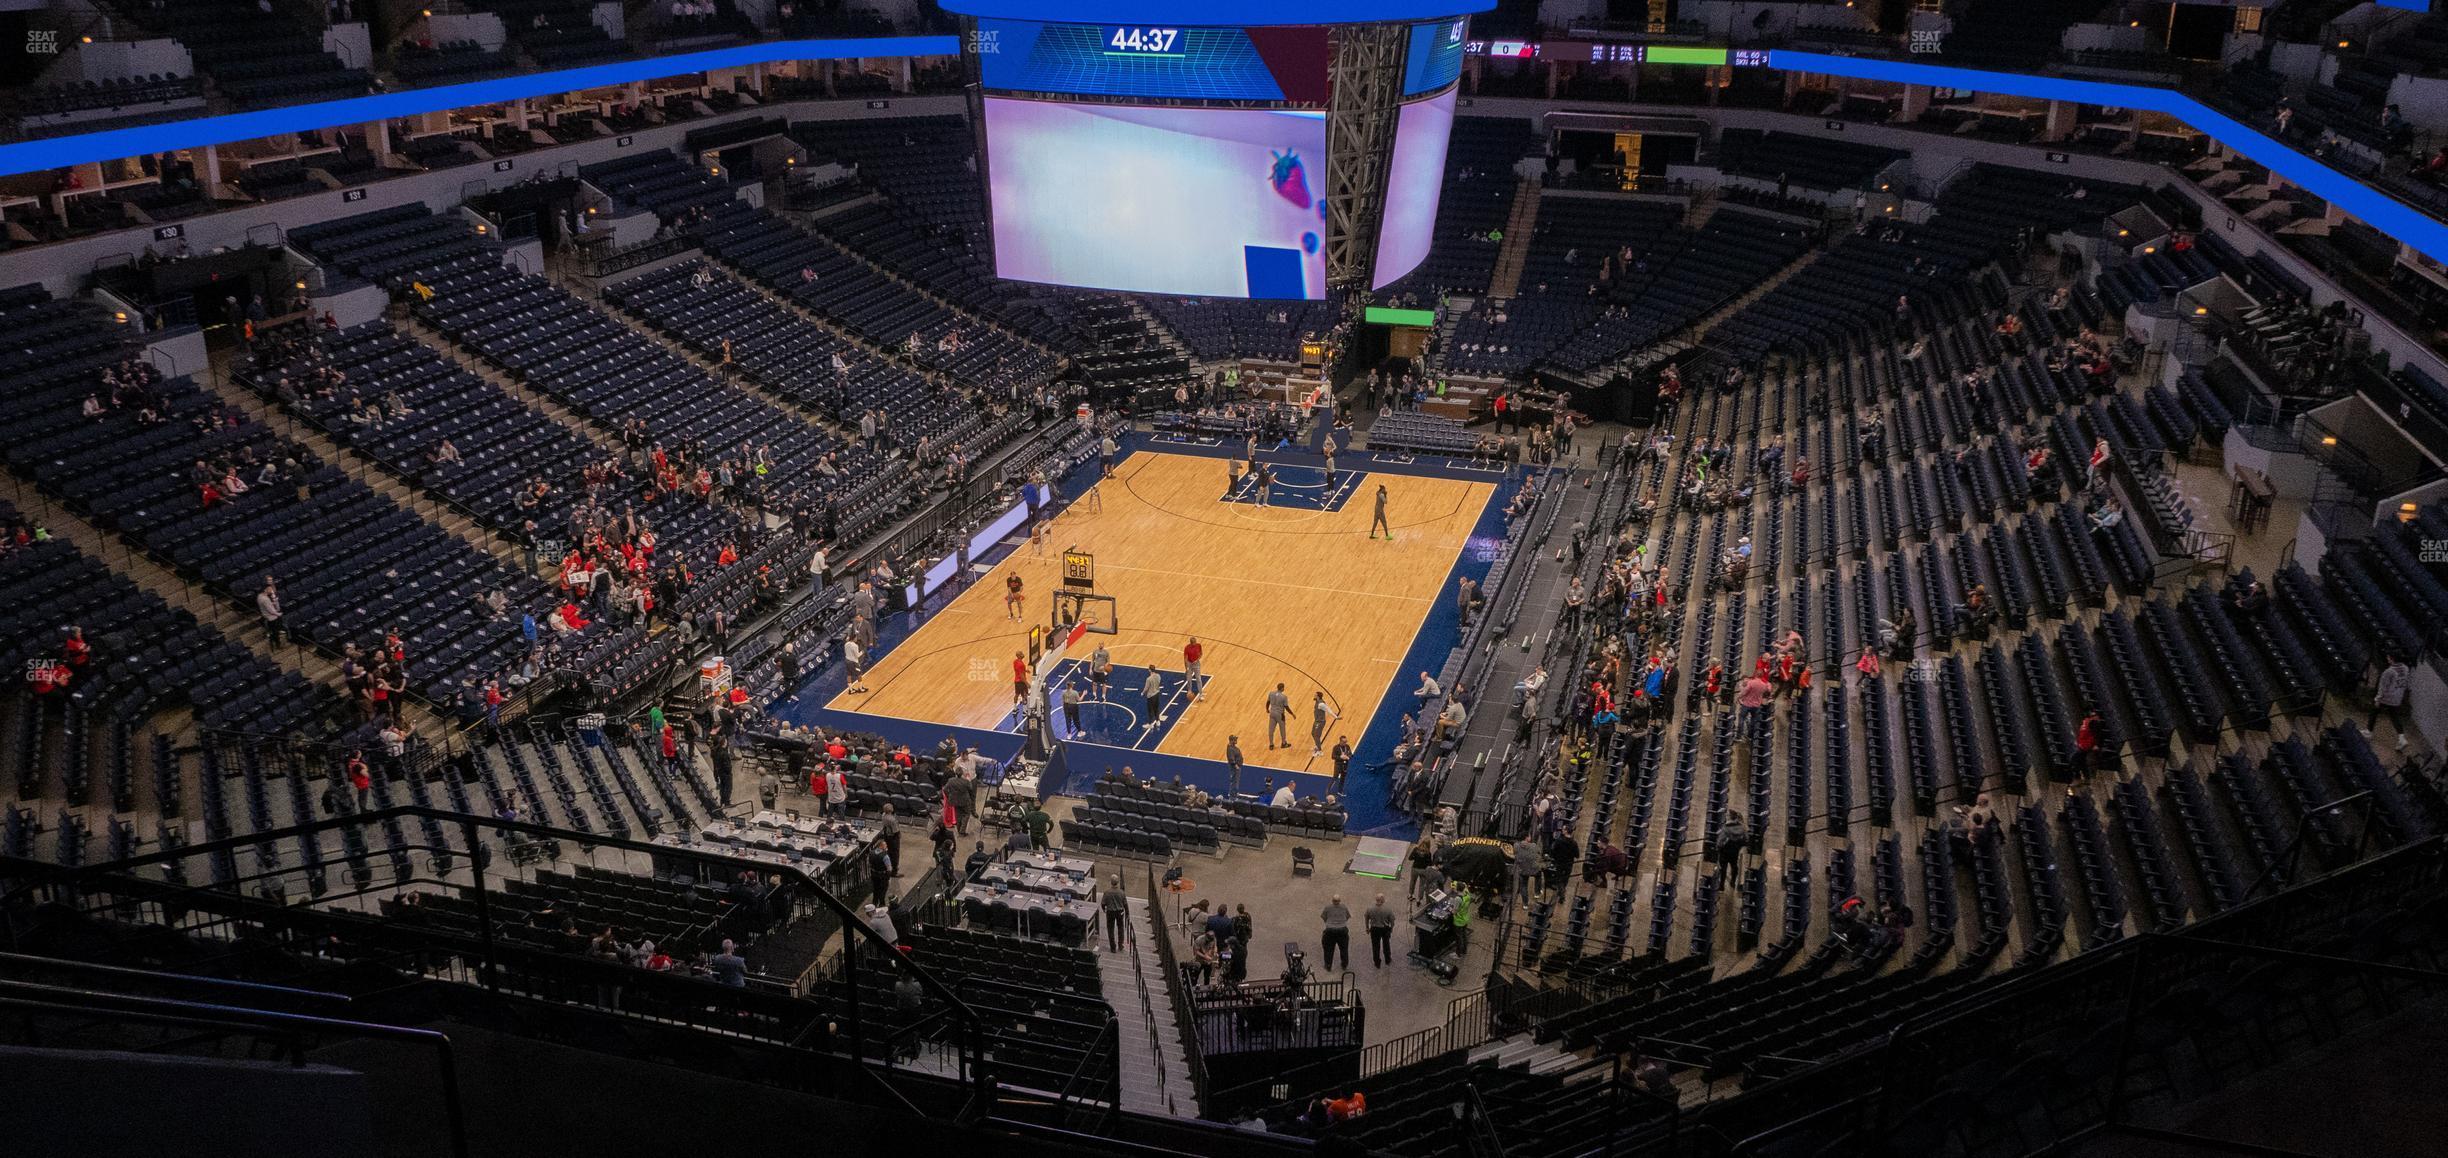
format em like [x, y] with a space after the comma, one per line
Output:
[1337, 935]
[2389, 696]
[1753, 700]
[962, 791]
[1526, 868]
[1117, 914]
[879, 873]
[268, 605]
[2087, 741]
[1462, 919]
[1380, 922]
[728, 967]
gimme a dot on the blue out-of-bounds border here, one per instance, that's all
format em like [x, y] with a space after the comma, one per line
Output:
[60, 152]
[2377, 209]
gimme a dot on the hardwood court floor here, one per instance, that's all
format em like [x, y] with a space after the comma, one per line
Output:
[1298, 596]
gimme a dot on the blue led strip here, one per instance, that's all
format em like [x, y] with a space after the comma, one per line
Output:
[60, 152]
[2377, 209]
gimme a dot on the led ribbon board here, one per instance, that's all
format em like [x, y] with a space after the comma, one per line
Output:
[2380, 211]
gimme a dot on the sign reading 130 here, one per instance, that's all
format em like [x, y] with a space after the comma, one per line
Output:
[1142, 39]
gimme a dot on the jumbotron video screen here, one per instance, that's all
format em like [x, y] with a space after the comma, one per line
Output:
[1114, 162]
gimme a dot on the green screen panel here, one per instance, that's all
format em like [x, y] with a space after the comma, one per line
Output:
[1382, 315]
[1681, 54]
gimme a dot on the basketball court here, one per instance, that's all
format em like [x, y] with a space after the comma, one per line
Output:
[1293, 592]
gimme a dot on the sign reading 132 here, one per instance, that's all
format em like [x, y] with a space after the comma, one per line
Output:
[1142, 39]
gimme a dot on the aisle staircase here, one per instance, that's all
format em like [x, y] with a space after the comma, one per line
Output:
[1690, 337]
[1505, 279]
[1535, 1056]
[1155, 1069]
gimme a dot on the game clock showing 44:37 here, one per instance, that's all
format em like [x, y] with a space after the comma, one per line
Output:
[1139, 41]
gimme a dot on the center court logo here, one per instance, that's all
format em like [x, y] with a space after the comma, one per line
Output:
[985, 42]
[42, 42]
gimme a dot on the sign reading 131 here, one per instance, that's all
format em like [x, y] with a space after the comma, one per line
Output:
[1142, 39]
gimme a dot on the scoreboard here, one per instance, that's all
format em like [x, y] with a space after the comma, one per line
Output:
[1134, 145]
[1154, 61]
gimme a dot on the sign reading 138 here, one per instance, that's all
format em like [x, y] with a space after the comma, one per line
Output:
[1142, 39]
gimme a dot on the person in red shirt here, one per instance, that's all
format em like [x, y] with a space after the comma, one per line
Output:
[2086, 742]
[1019, 679]
[493, 698]
[74, 650]
[671, 747]
[1191, 653]
[1760, 667]
[360, 778]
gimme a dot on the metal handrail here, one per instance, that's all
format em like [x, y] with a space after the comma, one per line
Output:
[168, 1011]
[854, 927]
[153, 976]
[1147, 1011]
[1177, 992]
